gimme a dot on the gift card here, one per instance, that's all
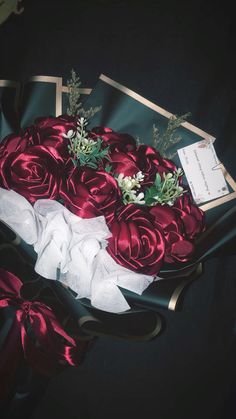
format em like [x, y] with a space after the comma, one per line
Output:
[203, 171]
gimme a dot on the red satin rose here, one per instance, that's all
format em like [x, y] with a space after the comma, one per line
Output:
[16, 142]
[150, 162]
[191, 216]
[115, 140]
[177, 247]
[145, 159]
[136, 241]
[45, 131]
[34, 173]
[89, 193]
[122, 162]
[49, 132]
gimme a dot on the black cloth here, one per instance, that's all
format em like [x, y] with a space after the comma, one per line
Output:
[180, 55]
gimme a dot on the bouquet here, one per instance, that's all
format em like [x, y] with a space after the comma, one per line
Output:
[97, 209]
[101, 210]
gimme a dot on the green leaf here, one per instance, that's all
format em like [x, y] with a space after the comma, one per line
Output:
[75, 163]
[108, 168]
[149, 201]
[152, 191]
[92, 165]
[157, 182]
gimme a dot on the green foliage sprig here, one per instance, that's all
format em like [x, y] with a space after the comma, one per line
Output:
[166, 190]
[75, 106]
[73, 85]
[85, 151]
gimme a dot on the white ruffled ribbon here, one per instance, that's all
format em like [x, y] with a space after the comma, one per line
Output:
[74, 246]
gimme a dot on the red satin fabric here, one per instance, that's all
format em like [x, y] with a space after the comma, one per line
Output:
[37, 165]
[89, 193]
[31, 162]
[116, 141]
[36, 334]
[50, 132]
[178, 248]
[46, 131]
[34, 174]
[145, 159]
[136, 242]
[191, 216]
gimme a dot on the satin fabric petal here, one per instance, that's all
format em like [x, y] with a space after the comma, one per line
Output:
[35, 332]
[136, 242]
[88, 193]
[34, 173]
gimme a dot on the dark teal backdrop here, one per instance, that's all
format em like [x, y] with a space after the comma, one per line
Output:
[180, 55]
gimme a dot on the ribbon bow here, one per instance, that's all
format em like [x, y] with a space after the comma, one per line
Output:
[34, 333]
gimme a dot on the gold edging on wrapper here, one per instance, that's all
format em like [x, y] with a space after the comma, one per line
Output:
[177, 292]
[84, 319]
[153, 106]
[229, 178]
[82, 90]
[223, 199]
[58, 82]
[187, 125]
[218, 201]
[9, 83]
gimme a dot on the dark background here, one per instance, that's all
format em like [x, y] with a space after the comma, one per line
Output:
[180, 55]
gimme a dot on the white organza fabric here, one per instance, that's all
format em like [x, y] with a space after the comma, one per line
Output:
[73, 246]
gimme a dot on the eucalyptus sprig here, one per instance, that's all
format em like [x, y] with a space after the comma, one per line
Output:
[85, 151]
[166, 190]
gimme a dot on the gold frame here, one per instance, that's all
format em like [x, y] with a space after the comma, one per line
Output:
[58, 82]
[45, 79]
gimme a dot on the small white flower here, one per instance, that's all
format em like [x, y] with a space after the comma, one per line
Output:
[120, 179]
[128, 184]
[69, 134]
[179, 171]
[140, 176]
[139, 199]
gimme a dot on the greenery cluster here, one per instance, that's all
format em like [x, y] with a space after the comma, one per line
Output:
[129, 186]
[166, 190]
[85, 151]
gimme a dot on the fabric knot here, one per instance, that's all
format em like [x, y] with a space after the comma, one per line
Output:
[26, 306]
